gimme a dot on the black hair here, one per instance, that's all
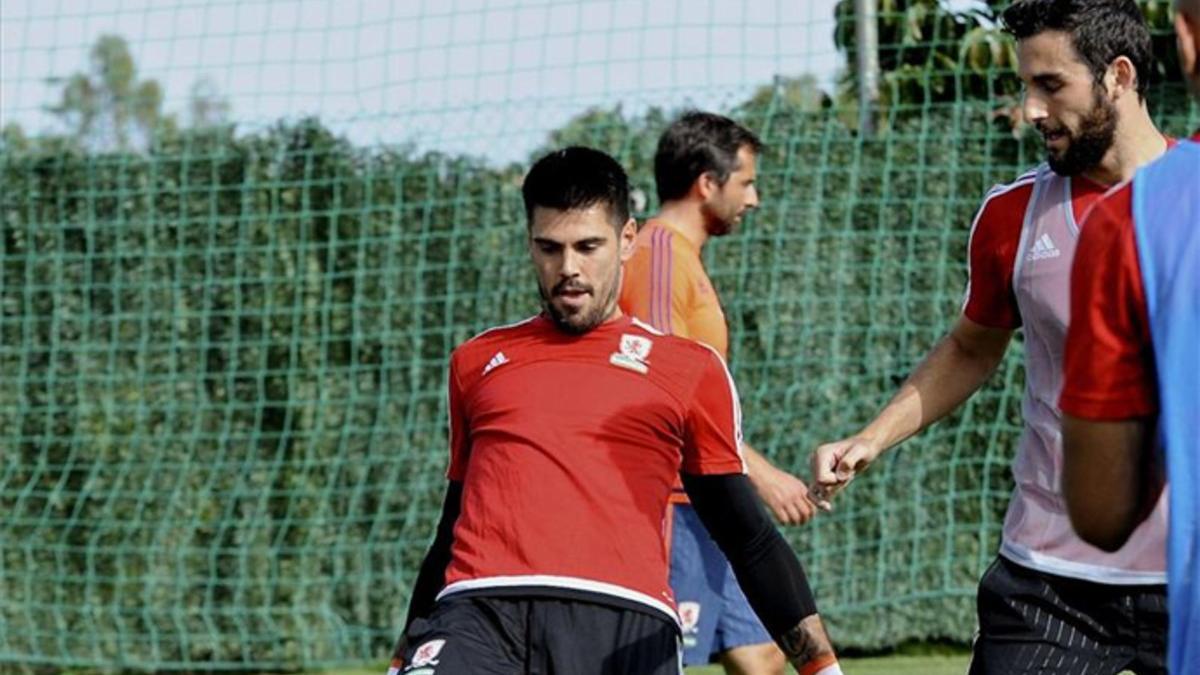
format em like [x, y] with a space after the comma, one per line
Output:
[696, 144]
[577, 178]
[1100, 30]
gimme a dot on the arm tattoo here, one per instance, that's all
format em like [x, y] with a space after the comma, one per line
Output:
[800, 645]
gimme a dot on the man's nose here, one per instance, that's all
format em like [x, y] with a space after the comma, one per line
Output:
[570, 264]
[1033, 108]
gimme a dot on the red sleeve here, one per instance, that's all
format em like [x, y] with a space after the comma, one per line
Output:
[460, 444]
[1108, 371]
[712, 444]
[992, 254]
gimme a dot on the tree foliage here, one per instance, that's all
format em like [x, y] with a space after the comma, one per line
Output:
[109, 106]
[222, 387]
[935, 52]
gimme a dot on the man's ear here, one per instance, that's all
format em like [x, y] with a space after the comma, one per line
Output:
[706, 185]
[1121, 78]
[628, 239]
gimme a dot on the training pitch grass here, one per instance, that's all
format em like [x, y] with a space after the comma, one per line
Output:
[879, 665]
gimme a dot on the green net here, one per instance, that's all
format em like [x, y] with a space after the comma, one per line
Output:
[239, 240]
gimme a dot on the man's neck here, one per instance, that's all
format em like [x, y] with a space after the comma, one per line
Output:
[686, 217]
[1136, 142]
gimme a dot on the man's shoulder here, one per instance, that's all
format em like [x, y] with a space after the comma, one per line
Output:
[663, 240]
[685, 352]
[1001, 214]
[1108, 219]
[484, 344]
[1009, 200]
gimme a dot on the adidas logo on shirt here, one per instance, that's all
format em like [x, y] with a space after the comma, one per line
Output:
[1043, 249]
[498, 360]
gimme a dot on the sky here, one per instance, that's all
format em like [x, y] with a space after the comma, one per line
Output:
[484, 77]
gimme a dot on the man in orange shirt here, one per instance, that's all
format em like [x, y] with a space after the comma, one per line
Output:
[705, 171]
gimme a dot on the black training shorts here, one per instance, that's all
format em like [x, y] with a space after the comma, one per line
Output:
[510, 635]
[1032, 623]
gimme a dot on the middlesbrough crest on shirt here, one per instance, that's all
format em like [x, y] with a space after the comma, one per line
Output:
[689, 617]
[632, 354]
[636, 346]
[427, 653]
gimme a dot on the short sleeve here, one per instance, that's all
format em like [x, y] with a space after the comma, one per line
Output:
[1108, 369]
[460, 439]
[991, 256]
[712, 441]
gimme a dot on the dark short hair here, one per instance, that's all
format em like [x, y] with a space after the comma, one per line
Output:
[577, 178]
[696, 144]
[1100, 30]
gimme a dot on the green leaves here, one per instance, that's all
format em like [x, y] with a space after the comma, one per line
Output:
[934, 51]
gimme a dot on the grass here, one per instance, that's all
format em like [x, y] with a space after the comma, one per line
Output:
[884, 665]
[939, 664]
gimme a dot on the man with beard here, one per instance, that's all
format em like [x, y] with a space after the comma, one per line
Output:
[1050, 602]
[1132, 367]
[567, 431]
[705, 171]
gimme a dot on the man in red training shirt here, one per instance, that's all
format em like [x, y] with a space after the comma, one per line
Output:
[566, 433]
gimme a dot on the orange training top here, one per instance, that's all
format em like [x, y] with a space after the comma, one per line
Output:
[666, 286]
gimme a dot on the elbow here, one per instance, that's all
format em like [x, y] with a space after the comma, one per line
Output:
[1104, 482]
[1107, 538]
[1106, 531]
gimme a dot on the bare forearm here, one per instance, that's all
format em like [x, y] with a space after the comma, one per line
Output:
[949, 374]
[1110, 481]
[784, 495]
[954, 370]
[756, 464]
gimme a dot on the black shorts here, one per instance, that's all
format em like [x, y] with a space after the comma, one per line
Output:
[1033, 622]
[503, 635]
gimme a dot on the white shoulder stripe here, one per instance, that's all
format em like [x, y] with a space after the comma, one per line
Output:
[1027, 178]
[1001, 188]
[646, 327]
[496, 328]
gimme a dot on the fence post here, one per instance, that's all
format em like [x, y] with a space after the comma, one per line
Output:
[866, 34]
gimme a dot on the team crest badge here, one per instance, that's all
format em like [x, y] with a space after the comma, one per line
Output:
[636, 346]
[427, 653]
[633, 353]
[689, 616]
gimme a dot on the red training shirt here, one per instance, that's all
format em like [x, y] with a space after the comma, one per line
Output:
[567, 447]
[1108, 369]
[992, 251]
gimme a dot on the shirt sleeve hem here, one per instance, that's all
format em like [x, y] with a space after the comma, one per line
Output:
[1108, 409]
[989, 322]
[716, 468]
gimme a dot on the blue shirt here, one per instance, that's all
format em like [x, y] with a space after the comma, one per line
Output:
[1166, 220]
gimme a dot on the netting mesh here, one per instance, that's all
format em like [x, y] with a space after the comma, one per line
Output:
[240, 240]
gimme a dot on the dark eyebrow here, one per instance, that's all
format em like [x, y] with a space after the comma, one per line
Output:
[1044, 79]
[542, 241]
